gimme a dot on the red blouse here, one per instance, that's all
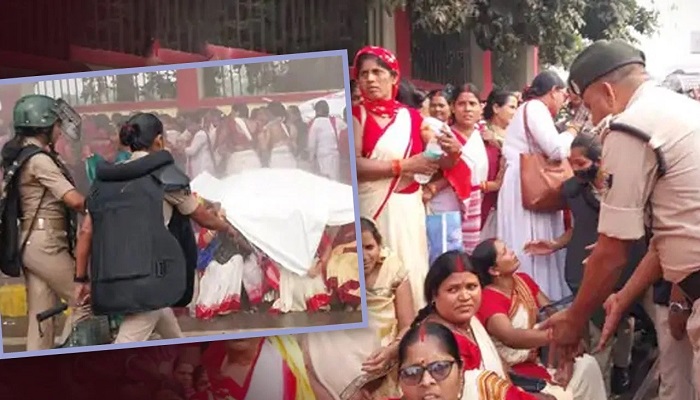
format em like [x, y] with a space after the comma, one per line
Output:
[494, 302]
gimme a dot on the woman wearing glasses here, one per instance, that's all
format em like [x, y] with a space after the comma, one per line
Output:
[430, 364]
[453, 294]
[430, 367]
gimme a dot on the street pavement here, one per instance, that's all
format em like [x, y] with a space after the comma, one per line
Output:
[14, 330]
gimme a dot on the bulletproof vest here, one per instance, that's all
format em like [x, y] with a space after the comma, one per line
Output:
[137, 263]
[11, 212]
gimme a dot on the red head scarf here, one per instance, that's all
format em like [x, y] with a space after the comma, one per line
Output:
[382, 107]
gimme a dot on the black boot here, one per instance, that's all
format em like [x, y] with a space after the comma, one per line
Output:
[620, 380]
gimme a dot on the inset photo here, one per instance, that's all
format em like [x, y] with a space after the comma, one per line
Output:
[178, 203]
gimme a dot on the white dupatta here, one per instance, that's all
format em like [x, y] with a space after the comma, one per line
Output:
[267, 381]
[475, 156]
[487, 381]
[490, 381]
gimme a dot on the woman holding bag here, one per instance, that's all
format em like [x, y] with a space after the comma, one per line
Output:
[534, 213]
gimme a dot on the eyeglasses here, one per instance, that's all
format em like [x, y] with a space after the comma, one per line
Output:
[438, 370]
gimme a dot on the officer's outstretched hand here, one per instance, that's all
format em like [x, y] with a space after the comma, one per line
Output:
[565, 332]
[613, 313]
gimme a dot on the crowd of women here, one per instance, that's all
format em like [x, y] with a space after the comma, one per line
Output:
[460, 322]
[209, 141]
[470, 309]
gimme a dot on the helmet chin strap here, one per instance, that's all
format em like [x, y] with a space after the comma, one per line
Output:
[49, 141]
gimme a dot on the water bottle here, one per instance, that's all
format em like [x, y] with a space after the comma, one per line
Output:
[433, 151]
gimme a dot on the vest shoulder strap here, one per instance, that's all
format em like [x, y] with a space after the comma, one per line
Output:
[24, 155]
[662, 166]
[172, 178]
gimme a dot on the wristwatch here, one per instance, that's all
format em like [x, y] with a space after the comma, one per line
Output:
[678, 308]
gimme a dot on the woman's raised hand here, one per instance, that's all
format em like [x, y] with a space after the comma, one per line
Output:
[540, 247]
[449, 143]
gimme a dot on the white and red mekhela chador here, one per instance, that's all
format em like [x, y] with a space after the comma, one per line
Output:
[399, 211]
[464, 192]
[278, 372]
[475, 156]
[304, 293]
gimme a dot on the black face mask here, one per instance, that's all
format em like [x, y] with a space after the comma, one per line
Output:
[587, 175]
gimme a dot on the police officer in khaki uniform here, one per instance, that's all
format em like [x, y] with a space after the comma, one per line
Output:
[651, 162]
[143, 133]
[46, 191]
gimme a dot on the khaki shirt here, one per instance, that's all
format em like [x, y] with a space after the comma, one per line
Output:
[672, 121]
[186, 203]
[38, 174]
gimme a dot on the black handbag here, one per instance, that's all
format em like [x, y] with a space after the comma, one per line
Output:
[528, 384]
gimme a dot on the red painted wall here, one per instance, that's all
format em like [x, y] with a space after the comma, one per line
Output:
[402, 26]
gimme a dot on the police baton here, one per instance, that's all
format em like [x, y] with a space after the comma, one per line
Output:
[50, 313]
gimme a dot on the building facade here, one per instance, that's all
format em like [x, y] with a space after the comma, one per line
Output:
[88, 35]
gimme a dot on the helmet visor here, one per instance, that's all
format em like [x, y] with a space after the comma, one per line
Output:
[70, 119]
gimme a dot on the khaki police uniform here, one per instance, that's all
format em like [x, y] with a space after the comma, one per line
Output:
[653, 176]
[49, 267]
[139, 327]
[670, 120]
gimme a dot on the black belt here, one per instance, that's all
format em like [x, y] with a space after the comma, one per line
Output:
[691, 286]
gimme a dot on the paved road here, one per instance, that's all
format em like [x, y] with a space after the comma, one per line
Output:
[14, 330]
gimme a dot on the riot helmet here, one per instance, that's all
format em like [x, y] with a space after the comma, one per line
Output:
[37, 113]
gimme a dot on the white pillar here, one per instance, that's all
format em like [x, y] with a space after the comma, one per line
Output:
[381, 28]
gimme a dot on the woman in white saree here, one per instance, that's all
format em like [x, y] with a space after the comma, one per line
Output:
[510, 304]
[532, 130]
[390, 140]
[244, 154]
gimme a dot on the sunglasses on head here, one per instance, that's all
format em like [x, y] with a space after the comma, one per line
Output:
[438, 370]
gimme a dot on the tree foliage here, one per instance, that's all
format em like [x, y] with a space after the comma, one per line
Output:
[558, 27]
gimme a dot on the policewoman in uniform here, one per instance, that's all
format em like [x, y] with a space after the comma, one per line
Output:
[651, 148]
[143, 133]
[48, 202]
